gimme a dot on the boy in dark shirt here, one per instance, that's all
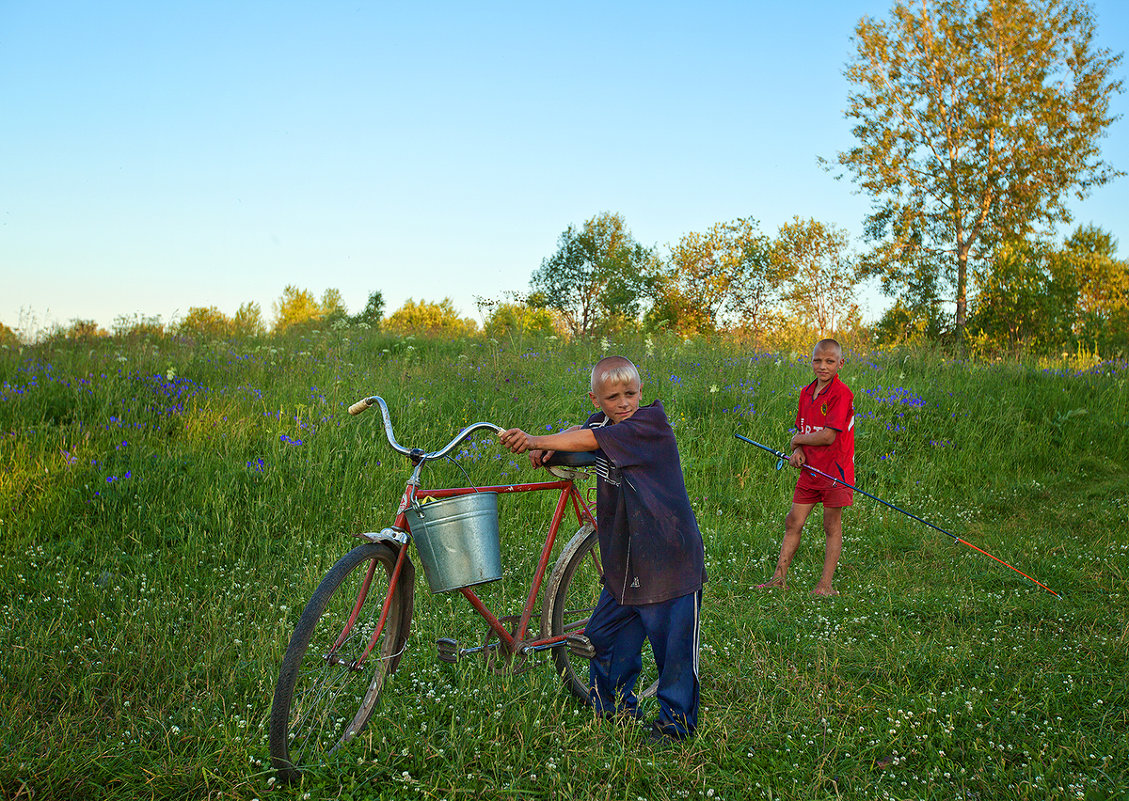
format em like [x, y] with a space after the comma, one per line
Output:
[824, 439]
[650, 547]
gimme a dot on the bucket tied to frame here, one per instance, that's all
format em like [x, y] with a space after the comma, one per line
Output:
[457, 540]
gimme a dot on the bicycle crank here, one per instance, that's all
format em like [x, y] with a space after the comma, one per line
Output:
[450, 652]
[502, 662]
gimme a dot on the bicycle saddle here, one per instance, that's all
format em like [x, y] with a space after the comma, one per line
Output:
[566, 459]
[564, 464]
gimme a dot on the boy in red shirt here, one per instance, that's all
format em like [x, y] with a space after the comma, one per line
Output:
[824, 439]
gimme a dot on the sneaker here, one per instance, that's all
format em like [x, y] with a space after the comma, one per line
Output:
[657, 733]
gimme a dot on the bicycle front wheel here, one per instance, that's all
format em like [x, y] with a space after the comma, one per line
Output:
[322, 699]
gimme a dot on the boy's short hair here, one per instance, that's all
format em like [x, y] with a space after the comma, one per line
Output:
[617, 369]
[828, 343]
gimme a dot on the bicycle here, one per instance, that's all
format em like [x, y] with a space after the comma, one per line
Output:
[354, 630]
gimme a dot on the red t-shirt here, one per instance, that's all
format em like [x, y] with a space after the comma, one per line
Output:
[834, 407]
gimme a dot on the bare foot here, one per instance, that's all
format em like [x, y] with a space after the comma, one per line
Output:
[773, 584]
[824, 592]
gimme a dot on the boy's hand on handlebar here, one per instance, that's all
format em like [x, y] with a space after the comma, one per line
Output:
[516, 440]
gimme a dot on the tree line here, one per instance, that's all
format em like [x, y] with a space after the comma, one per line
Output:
[729, 280]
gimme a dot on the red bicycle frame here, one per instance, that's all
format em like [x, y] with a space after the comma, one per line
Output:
[512, 642]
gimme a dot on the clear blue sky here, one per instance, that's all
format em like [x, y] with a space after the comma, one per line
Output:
[159, 156]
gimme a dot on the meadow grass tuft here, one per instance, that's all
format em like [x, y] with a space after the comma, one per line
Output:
[168, 506]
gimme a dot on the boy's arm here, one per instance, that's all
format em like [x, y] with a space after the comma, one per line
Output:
[825, 436]
[574, 439]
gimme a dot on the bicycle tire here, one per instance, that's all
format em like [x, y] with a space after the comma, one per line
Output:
[318, 705]
[570, 596]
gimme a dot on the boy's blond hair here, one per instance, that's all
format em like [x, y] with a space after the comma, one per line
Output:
[616, 369]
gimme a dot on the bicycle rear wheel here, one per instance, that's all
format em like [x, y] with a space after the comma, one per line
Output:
[321, 700]
[570, 596]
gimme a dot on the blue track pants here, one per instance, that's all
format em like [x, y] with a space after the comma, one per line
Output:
[617, 633]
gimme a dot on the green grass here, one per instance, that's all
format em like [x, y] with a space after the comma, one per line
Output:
[160, 531]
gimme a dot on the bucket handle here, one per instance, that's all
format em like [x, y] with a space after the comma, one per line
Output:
[417, 507]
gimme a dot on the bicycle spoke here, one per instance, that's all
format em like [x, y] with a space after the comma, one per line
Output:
[320, 706]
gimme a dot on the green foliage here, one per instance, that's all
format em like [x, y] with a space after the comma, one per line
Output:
[211, 323]
[974, 120]
[296, 307]
[373, 312]
[906, 324]
[1027, 300]
[248, 320]
[429, 319]
[1103, 289]
[1041, 299]
[515, 320]
[723, 270]
[811, 259]
[595, 280]
[206, 322]
[333, 306]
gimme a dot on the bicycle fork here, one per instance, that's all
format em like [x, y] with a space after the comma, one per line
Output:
[358, 664]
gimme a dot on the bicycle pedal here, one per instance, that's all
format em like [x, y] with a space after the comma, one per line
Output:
[579, 645]
[448, 650]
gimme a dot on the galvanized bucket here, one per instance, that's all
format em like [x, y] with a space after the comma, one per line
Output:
[457, 540]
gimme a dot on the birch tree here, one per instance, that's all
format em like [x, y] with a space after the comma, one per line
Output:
[975, 121]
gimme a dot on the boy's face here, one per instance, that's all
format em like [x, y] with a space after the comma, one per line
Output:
[826, 363]
[617, 399]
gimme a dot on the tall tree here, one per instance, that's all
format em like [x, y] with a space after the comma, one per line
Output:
[595, 276]
[820, 289]
[974, 120]
[430, 319]
[295, 307]
[204, 321]
[714, 272]
[1103, 279]
[1027, 298]
[333, 305]
[248, 320]
[1103, 289]
[373, 311]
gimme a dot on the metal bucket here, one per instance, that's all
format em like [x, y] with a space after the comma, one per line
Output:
[457, 540]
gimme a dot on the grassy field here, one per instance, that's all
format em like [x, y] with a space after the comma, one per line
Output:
[167, 507]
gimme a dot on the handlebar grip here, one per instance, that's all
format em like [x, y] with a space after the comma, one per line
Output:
[360, 406]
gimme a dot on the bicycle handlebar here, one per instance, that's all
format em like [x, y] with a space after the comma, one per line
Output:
[363, 405]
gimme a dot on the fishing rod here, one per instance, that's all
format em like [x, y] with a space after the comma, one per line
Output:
[782, 458]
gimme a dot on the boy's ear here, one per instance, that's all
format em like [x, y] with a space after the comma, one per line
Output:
[592, 397]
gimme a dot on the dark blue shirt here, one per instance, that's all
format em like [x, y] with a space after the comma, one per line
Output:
[650, 545]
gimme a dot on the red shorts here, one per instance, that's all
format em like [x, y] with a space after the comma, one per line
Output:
[829, 493]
